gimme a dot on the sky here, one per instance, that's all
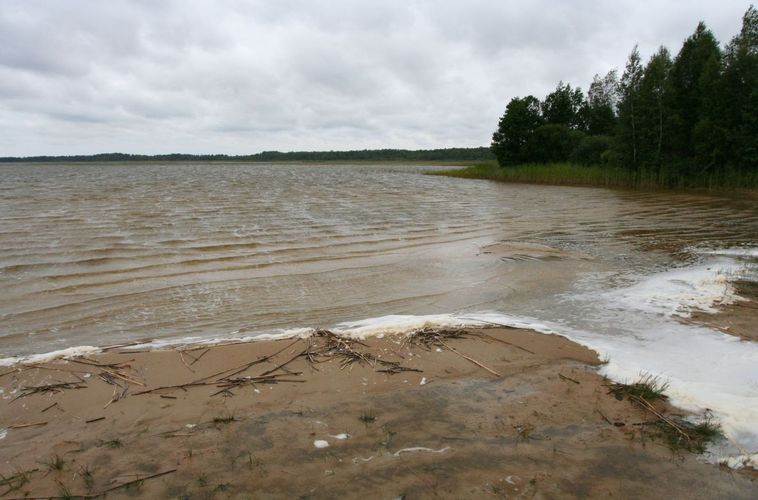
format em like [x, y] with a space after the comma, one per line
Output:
[239, 77]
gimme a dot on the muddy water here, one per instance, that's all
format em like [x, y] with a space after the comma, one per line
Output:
[97, 254]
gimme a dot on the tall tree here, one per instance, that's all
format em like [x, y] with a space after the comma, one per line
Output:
[687, 92]
[740, 85]
[517, 125]
[563, 106]
[652, 109]
[602, 100]
[629, 120]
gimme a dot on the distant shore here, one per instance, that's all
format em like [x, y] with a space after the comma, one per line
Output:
[448, 155]
[449, 413]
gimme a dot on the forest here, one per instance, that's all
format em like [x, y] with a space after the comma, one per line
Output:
[688, 119]
[425, 155]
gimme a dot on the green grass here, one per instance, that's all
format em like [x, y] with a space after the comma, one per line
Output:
[648, 387]
[693, 437]
[571, 174]
[55, 463]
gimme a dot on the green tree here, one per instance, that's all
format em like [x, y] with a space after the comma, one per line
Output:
[629, 109]
[602, 100]
[740, 88]
[564, 106]
[652, 112]
[517, 125]
[687, 91]
[553, 142]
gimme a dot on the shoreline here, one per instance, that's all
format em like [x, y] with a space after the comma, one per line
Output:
[498, 411]
[576, 175]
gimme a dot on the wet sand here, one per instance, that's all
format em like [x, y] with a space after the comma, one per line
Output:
[499, 413]
[739, 318]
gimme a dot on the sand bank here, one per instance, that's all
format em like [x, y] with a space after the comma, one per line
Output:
[739, 318]
[496, 413]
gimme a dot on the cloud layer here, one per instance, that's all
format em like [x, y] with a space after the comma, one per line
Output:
[225, 76]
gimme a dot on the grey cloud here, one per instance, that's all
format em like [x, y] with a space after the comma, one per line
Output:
[86, 76]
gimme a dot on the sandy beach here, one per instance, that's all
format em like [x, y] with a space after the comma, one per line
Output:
[497, 412]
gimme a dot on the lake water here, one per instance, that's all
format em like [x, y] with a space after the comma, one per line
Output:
[97, 254]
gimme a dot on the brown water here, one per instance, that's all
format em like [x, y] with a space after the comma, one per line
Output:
[102, 253]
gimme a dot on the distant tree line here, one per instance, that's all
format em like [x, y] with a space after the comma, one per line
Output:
[694, 114]
[449, 154]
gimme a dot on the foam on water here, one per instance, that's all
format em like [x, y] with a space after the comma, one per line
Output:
[71, 352]
[681, 291]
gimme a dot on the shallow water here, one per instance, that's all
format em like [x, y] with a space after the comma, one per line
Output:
[98, 254]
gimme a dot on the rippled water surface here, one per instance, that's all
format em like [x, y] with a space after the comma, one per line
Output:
[102, 253]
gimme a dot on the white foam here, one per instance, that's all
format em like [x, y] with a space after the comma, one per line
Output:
[416, 449]
[71, 352]
[679, 292]
[728, 252]
[402, 324]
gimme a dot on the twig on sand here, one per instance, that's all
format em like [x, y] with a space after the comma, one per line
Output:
[607, 420]
[241, 368]
[477, 363]
[54, 388]
[181, 356]
[134, 481]
[47, 408]
[196, 359]
[23, 426]
[504, 342]
[660, 416]
[564, 377]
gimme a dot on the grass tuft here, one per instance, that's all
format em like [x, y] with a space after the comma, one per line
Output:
[112, 443]
[694, 437]
[649, 387]
[88, 477]
[55, 463]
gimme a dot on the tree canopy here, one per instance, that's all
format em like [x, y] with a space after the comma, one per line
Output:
[694, 113]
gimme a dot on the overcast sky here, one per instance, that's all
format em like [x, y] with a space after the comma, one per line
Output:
[223, 76]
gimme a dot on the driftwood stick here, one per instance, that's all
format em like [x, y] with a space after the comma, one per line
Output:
[241, 368]
[564, 377]
[504, 342]
[645, 404]
[293, 358]
[177, 386]
[181, 356]
[22, 426]
[134, 481]
[123, 377]
[47, 408]
[201, 355]
[477, 363]
[607, 420]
